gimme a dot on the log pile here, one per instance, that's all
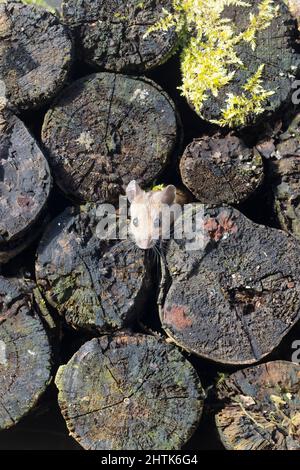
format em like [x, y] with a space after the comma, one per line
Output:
[135, 346]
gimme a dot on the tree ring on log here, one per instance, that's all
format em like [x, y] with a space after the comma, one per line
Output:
[111, 35]
[25, 356]
[130, 393]
[261, 408]
[275, 50]
[25, 184]
[234, 301]
[220, 169]
[106, 130]
[35, 54]
[93, 283]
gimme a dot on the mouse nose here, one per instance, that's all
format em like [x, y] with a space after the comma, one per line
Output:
[145, 244]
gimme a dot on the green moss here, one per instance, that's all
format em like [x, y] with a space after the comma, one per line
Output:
[40, 3]
[209, 58]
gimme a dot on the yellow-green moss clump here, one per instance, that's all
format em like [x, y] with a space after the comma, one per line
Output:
[40, 3]
[209, 58]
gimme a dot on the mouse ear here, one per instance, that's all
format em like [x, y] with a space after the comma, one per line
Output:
[168, 195]
[133, 190]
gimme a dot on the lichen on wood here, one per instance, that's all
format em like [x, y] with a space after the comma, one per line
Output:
[283, 167]
[129, 393]
[94, 284]
[25, 184]
[235, 300]
[25, 355]
[110, 35]
[261, 408]
[221, 169]
[106, 130]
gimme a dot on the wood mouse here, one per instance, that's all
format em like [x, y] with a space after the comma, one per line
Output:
[146, 209]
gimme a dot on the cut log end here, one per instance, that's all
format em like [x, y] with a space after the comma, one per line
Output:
[275, 50]
[220, 169]
[261, 408]
[35, 54]
[129, 393]
[107, 130]
[25, 356]
[112, 35]
[94, 284]
[284, 173]
[235, 300]
[25, 184]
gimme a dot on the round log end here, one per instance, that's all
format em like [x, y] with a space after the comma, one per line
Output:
[25, 355]
[107, 130]
[220, 169]
[129, 393]
[35, 54]
[93, 283]
[113, 36]
[235, 299]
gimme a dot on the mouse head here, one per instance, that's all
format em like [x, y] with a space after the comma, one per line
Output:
[146, 209]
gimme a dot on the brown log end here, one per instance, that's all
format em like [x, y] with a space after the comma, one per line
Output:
[261, 408]
[220, 169]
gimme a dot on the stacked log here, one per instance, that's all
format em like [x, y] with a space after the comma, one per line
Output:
[94, 284]
[235, 299]
[106, 130]
[129, 392]
[261, 409]
[275, 49]
[32, 74]
[221, 169]
[113, 36]
[25, 354]
[25, 184]
[228, 292]
[283, 173]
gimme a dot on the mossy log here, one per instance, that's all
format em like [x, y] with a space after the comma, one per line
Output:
[35, 54]
[261, 408]
[129, 393]
[284, 177]
[274, 48]
[219, 169]
[93, 283]
[112, 35]
[25, 356]
[25, 184]
[235, 300]
[106, 130]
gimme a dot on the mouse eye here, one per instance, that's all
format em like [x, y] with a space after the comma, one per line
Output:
[135, 222]
[157, 222]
